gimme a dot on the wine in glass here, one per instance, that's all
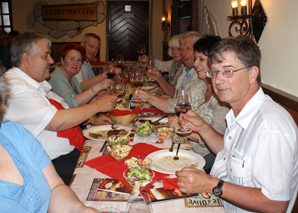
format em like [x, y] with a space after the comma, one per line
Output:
[182, 102]
[110, 70]
[137, 79]
[141, 49]
[119, 62]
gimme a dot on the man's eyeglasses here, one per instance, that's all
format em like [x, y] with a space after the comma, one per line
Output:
[226, 73]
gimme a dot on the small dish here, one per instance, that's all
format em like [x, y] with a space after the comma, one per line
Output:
[138, 162]
[163, 132]
[138, 177]
[143, 129]
[118, 140]
[119, 152]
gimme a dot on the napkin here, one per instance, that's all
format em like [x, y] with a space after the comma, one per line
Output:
[125, 112]
[113, 168]
[152, 110]
[97, 63]
[170, 183]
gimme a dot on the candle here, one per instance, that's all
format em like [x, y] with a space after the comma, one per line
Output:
[234, 7]
[243, 7]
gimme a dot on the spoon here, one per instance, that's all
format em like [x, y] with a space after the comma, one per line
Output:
[176, 156]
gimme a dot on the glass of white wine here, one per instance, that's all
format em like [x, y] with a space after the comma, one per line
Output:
[139, 203]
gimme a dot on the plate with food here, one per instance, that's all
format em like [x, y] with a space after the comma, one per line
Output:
[99, 133]
[163, 161]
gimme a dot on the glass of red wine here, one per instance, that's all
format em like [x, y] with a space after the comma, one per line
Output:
[119, 62]
[182, 102]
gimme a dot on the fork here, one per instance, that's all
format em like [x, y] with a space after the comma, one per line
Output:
[176, 156]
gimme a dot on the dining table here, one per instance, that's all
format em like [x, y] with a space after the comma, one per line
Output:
[84, 176]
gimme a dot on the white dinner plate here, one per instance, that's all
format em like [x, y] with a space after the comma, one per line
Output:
[163, 160]
[101, 128]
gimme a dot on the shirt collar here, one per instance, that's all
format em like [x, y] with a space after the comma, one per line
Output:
[248, 112]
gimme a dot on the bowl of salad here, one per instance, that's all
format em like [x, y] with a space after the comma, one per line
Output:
[164, 132]
[138, 162]
[138, 177]
[143, 129]
[114, 140]
[119, 152]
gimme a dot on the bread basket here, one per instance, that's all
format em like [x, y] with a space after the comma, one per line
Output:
[124, 119]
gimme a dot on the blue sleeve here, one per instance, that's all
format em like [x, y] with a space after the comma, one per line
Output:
[26, 141]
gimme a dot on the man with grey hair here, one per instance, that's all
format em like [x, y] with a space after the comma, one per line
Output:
[42, 112]
[86, 77]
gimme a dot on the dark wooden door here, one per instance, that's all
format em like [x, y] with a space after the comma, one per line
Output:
[127, 28]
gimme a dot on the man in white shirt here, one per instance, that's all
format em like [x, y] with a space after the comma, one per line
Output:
[86, 77]
[256, 168]
[30, 103]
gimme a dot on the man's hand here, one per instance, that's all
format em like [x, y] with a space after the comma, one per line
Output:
[192, 120]
[140, 95]
[106, 103]
[154, 74]
[102, 120]
[103, 93]
[192, 180]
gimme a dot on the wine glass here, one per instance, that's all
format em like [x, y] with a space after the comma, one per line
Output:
[137, 79]
[139, 203]
[141, 49]
[119, 62]
[182, 102]
[117, 89]
[110, 70]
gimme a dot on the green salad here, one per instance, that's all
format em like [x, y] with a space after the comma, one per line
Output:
[118, 140]
[144, 129]
[139, 178]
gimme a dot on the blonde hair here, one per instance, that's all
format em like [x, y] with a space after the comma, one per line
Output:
[173, 42]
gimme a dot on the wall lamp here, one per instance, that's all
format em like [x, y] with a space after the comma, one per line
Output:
[165, 25]
[251, 22]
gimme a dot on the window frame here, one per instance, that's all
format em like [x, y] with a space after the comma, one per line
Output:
[2, 26]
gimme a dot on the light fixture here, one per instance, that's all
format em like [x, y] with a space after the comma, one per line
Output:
[164, 22]
[251, 22]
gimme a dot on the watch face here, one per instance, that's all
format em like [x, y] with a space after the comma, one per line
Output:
[217, 191]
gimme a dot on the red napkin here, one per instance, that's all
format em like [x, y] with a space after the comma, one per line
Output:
[113, 168]
[125, 112]
[170, 183]
[97, 63]
[74, 134]
[152, 110]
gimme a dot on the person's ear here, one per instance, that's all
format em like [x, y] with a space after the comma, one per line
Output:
[62, 62]
[82, 44]
[254, 72]
[26, 59]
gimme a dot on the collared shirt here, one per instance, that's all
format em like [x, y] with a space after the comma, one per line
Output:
[260, 151]
[187, 78]
[85, 73]
[29, 106]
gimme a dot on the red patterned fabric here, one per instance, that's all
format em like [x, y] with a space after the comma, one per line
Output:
[74, 134]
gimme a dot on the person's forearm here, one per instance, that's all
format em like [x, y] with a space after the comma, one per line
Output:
[213, 140]
[166, 87]
[159, 103]
[85, 97]
[63, 197]
[251, 199]
[68, 118]
[86, 84]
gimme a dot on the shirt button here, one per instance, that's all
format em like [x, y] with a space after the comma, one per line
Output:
[224, 158]
[230, 137]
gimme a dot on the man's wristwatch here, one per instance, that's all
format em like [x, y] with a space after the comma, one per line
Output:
[217, 189]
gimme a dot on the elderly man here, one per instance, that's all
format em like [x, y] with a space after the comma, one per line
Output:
[186, 79]
[256, 168]
[86, 77]
[42, 112]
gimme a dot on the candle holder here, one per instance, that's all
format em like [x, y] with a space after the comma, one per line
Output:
[251, 24]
